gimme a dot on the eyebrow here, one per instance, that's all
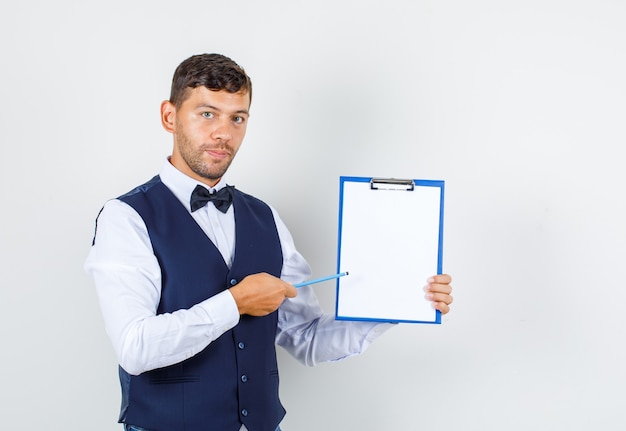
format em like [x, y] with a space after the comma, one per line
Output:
[215, 108]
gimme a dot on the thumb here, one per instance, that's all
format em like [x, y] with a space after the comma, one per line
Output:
[290, 291]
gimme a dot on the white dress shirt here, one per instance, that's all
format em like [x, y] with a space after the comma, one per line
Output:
[128, 283]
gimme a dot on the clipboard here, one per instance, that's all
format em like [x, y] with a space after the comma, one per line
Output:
[391, 241]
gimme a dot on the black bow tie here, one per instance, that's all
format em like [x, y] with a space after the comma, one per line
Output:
[221, 198]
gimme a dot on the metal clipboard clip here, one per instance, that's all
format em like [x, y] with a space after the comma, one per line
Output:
[392, 184]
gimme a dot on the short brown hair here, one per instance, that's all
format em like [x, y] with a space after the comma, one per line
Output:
[213, 71]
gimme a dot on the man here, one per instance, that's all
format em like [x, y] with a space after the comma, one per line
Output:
[196, 291]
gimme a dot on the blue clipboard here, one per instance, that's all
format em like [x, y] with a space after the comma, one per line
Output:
[390, 241]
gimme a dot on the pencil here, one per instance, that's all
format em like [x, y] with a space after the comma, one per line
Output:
[319, 280]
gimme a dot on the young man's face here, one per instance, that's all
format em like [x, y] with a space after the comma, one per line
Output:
[208, 127]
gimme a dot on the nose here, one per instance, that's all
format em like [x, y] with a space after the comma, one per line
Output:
[223, 131]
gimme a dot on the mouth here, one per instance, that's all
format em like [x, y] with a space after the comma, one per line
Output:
[217, 153]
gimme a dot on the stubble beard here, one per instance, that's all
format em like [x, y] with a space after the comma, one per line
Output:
[195, 158]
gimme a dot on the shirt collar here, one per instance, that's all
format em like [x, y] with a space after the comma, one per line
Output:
[182, 185]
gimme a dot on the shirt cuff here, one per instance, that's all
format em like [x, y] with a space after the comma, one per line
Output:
[222, 310]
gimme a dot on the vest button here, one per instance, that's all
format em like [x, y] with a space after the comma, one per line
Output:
[244, 378]
[244, 412]
[233, 282]
[241, 345]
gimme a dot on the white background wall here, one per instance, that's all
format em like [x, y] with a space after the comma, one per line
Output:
[518, 106]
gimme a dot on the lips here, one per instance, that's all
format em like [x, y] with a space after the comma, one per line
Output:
[218, 153]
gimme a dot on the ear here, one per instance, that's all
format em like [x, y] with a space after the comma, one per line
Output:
[168, 116]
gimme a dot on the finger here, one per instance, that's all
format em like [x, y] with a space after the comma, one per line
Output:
[438, 288]
[440, 279]
[439, 297]
[442, 307]
[290, 291]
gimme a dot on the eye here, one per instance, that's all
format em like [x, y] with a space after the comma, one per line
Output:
[208, 115]
[239, 119]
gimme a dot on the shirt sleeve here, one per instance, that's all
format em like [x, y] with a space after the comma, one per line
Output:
[127, 277]
[304, 330]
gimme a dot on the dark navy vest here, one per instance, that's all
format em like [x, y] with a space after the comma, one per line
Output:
[235, 379]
